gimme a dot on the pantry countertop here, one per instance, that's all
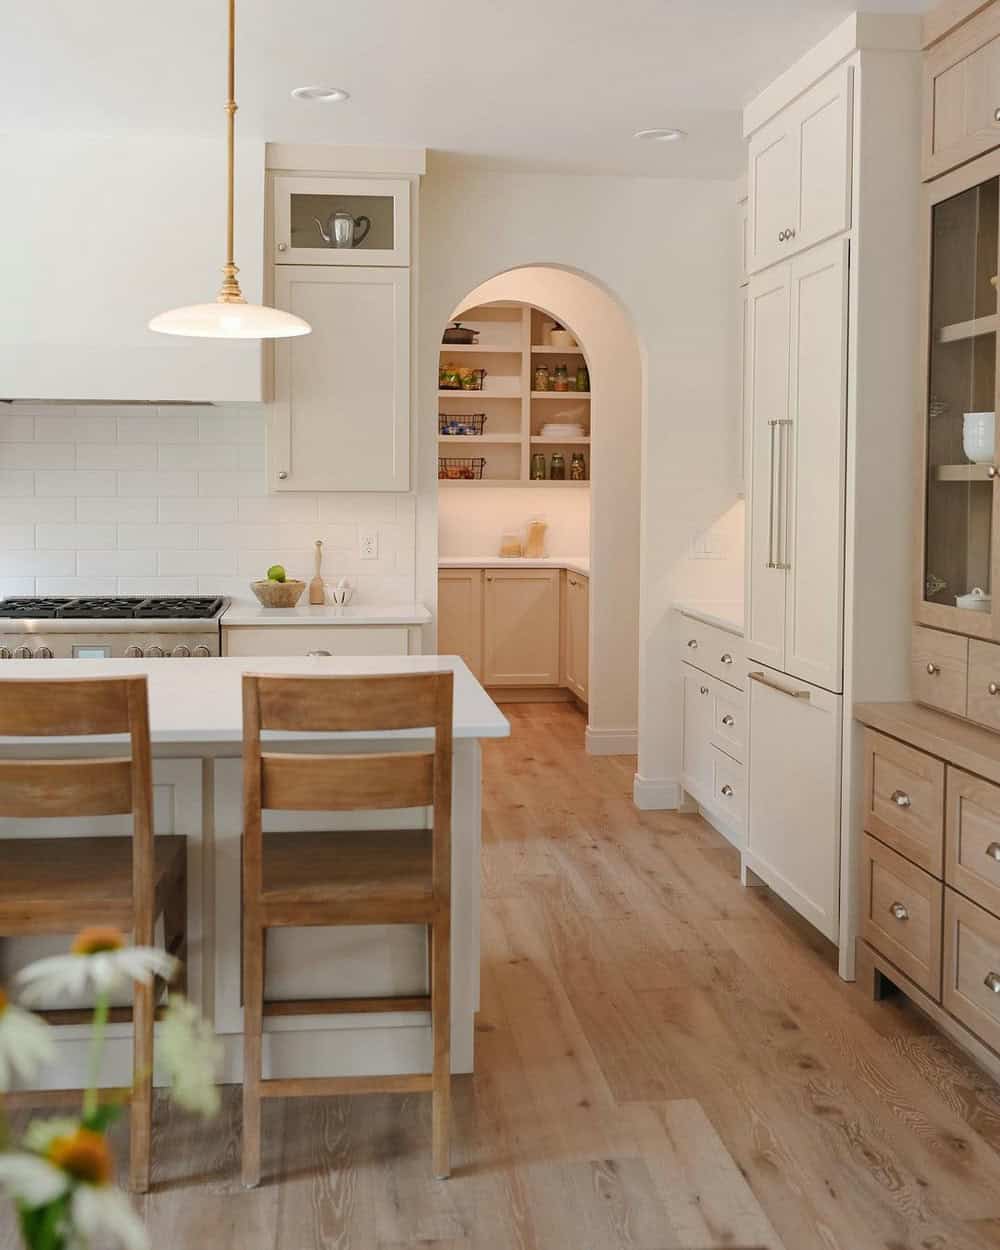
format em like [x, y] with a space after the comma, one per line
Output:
[243, 613]
[572, 564]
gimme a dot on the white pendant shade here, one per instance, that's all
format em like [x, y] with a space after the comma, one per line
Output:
[229, 321]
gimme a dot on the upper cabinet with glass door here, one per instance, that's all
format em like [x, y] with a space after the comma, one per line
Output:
[962, 503]
[341, 221]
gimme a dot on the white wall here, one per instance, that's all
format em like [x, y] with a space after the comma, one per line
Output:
[137, 499]
[666, 248]
[471, 522]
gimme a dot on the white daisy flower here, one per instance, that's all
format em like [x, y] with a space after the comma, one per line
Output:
[31, 1180]
[98, 960]
[98, 1211]
[25, 1043]
[189, 1054]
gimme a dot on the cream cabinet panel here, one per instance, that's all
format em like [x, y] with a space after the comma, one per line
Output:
[699, 758]
[303, 639]
[812, 454]
[800, 172]
[742, 390]
[521, 635]
[767, 412]
[460, 616]
[962, 94]
[380, 208]
[340, 419]
[576, 634]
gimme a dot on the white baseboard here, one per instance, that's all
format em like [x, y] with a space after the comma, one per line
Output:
[612, 741]
[657, 794]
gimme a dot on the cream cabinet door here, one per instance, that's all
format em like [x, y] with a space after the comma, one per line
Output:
[460, 616]
[576, 636]
[340, 419]
[767, 413]
[962, 94]
[699, 758]
[813, 449]
[521, 627]
[306, 639]
[774, 200]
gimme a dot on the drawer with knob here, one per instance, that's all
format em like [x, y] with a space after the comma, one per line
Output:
[901, 914]
[729, 722]
[972, 838]
[971, 980]
[939, 669]
[984, 684]
[904, 800]
[728, 791]
[713, 650]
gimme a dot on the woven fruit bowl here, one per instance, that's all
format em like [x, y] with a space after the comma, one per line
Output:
[271, 594]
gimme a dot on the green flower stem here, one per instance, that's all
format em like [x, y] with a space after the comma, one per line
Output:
[100, 1023]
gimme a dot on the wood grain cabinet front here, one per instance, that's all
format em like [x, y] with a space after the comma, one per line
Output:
[460, 616]
[901, 914]
[904, 801]
[972, 844]
[962, 94]
[521, 632]
[971, 990]
[984, 683]
[939, 669]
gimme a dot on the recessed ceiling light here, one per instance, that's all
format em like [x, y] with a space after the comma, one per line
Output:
[661, 135]
[326, 95]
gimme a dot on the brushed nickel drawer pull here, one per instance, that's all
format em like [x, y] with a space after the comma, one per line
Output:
[728, 791]
[993, 851]
[726, 658]
[729, 722]
[901, 798]
[899, 911]
[792, 694]
[693, 644]
[933, 669]
[992, 982]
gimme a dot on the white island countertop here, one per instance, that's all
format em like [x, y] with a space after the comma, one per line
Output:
[725, 614]
[250, 613]
[200, 701]
[573, 564]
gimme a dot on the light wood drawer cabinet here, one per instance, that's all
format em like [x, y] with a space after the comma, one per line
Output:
[576, 633]
[904, 800]
[939, 669]
[984, 683]
[714, 651]
[901, 914]
[962, 94]
[521, 627]
[971, 990]
[972, 842]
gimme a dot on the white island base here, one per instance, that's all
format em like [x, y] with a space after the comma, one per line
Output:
[195, 721]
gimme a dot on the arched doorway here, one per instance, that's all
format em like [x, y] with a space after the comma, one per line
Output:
[592, 525]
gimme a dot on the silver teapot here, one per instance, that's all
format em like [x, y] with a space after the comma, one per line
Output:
[343, 230]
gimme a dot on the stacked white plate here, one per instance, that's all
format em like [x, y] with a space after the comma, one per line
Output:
[563, 430]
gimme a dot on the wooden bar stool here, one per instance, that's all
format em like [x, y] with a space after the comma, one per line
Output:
[60, 885]
[346, 878]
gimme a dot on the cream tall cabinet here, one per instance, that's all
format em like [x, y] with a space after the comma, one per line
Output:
[831, 344]
[342, 396]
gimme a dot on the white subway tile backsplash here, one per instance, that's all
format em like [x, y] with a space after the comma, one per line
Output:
[163, 426]
[79, 482]
[186, 563]
[28, 509]
[74, 536]
[156, 537]
[136, 510]
[115, 456]
[115, 563]
[357, 507]
[154, 585]
[16, 483]
[198, 455]
[75, 427]
[39, 563]
[233, 483]
[37, 455]
[197, 510]
[279, 508]
[242, 428]
[76, 586]
[150, 485]
[15, 536]
[252, 457]
[16, 427]
[11, 586]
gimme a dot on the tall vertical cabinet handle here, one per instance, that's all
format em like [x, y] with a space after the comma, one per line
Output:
[772, 427]
[784, 560]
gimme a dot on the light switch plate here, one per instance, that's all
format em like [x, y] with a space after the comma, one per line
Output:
[368, 544]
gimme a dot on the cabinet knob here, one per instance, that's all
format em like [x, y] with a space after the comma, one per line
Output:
[901, 798]
[933, 669]
[992, 471]
[319, 653]
[789, 233]
[726, 658]
[282, 475]
[693, 644]
[996, 115]
[703, 689]
[993, 851]
[992, 982]
[728, 721]
[993, 688]
[899, 911]
[782, 235]
[282, 247]
[727, 791]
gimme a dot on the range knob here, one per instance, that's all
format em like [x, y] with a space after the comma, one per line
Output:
[22, 653]
[154, 652]
[4, 653]
[132, 652]
[43, 653]
[201, 652]
[181, 651]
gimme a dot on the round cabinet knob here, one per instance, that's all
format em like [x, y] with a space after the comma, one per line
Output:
[726, 658]
[992, 471]
[22, 653]
[727, 791]
[993, 852]
[728, 721]
[181, 651]
[282, 247]
[790, 233]
[993, 688]
[693, 644]
[782, 235]
[933, 669]
[282, 475]
[901, 798]
[154, 652]
[992, 982]
[703, 690]
[43, 653]
[201, 652]
[133, 652]
[4, 653]
[996, 115]
[899, 911]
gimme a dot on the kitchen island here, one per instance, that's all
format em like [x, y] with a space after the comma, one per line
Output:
[196, 730]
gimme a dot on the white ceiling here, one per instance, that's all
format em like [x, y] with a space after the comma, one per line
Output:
[531, 84]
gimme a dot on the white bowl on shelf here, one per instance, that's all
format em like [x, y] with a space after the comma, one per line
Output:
[979, 436]
[977, 600]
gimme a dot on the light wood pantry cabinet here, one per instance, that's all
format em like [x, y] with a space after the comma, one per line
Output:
[576, 633]
[962, 93]
[460, 616]
[500, 414]
[521, 627]
[366, 221]
[340, 419]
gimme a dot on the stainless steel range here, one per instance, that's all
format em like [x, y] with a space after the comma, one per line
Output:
[104, 628]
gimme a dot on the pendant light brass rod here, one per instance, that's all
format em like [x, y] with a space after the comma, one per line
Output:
[229, 292]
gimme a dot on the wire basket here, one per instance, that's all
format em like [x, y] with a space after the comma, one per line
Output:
[462, 423]
[461, 468]
[459, 378]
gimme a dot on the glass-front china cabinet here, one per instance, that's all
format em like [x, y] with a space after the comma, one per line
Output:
[961, 536]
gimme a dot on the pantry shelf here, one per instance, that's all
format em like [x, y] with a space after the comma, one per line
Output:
[538, 349]
[490, 349]
[538, 438]
[964, 473]
[479, 438]
[973, 329]
[503, 481]
[563, 395]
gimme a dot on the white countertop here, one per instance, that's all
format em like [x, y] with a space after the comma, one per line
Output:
[574, 564]
[724, 614]
[200, 701]
[251, 613]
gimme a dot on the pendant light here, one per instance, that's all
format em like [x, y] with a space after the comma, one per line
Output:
[230, 317]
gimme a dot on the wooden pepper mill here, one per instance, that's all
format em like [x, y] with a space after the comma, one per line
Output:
[317, 592]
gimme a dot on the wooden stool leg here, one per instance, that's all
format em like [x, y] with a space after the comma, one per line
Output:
[253, 1010]
[441, 1032]
[141, 1113]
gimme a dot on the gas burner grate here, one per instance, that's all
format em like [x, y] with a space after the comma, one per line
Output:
[102, 607]
[193, 607]
[32, 607]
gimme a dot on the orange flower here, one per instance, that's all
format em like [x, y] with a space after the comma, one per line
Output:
[84, 1154]
[3, 1001]
[95, 940]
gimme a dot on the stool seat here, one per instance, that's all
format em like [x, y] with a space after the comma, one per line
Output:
[376, 874]
[79, 881]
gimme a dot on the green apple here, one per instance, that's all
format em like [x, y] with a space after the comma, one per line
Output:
[276, 573]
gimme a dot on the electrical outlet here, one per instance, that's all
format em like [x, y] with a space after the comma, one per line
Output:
[368, 544]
